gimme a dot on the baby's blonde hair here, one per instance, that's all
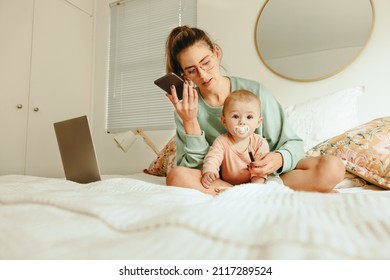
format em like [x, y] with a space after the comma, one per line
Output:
[241, 95]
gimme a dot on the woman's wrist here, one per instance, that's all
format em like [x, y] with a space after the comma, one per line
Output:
[192, 127]
[281, 163]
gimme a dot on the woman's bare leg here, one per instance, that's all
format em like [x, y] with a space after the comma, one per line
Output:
[316, 174]
[190, 178]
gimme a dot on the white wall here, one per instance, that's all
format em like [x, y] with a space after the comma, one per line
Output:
[232, 26]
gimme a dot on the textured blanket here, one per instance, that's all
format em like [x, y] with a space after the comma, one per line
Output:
[134, 219]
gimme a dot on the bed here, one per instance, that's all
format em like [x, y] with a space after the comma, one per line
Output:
[138, 217]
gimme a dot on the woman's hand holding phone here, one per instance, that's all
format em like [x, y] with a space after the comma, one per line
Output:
[266, 164]
[184, 98]
[166, 81]
[187, 108]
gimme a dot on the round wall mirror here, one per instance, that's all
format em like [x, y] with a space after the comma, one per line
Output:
[309, 40]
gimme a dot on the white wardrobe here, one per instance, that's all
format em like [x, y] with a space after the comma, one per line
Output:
[46, 62]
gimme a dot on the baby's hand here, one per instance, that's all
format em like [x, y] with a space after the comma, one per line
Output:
[208, 178]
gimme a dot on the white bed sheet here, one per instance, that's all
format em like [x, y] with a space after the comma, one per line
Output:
[137, 217]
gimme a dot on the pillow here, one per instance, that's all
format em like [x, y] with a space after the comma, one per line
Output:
[165, 160]
[365, 151]
[323, 117]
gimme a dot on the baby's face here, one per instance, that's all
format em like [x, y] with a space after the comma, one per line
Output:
[242, 118]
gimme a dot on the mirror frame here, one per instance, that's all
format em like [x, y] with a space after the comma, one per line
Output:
[332, 73]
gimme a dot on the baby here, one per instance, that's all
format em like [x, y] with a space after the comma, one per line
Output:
[232, 152]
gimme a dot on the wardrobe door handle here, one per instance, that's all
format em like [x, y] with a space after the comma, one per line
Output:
[36, 109]
[19, 106]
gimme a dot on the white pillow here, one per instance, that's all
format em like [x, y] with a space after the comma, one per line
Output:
[323, 117]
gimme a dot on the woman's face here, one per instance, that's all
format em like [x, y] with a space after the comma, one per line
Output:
[200, 65]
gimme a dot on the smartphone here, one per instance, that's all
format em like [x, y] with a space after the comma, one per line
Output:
[169, 79]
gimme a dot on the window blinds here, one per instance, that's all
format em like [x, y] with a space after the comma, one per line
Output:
[139, 29]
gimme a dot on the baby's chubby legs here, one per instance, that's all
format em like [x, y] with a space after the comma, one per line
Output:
[185, 177]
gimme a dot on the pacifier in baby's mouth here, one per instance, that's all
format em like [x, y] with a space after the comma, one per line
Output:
[241, 129]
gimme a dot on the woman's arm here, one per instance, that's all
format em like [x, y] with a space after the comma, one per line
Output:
[191, 144]
[190, 149]
[280, 136]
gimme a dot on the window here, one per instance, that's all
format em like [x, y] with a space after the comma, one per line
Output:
[139, 29]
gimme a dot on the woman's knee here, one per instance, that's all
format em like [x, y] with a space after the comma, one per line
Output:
[179, 175]
[335, 166]
[331, 171]
[173, 175]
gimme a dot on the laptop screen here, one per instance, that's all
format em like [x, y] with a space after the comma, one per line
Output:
[77, 150]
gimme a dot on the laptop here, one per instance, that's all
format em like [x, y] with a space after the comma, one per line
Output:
[77, 150]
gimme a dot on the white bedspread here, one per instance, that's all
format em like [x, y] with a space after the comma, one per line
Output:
[126, 218]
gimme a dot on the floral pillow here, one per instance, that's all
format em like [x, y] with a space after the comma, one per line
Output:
[165, 160]
[365, 151]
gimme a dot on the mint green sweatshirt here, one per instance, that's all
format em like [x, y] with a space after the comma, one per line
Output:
[191, 150]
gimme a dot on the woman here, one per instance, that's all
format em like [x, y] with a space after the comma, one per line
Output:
[192, 55]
